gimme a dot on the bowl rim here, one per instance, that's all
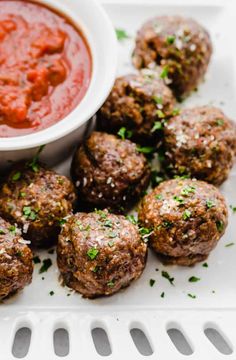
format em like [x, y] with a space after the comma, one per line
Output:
[70, 122]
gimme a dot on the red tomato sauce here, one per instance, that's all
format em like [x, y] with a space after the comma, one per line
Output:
[45, 67]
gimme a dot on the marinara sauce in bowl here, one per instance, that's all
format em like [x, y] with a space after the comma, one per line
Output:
[57, 66]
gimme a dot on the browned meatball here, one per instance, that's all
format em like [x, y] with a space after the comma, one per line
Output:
[200, 142]
[15, 260]
[137, 102]
[187, 218]
[109, 172]
[180, 45]
[36, 199]
[100, 253]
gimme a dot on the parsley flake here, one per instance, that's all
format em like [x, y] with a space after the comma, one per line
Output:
[210, 204]
[47, 263]
[124, 133]
[132, 219]
[187, 214]
[16, 176]
[220, 225]
[152, 282]
[166, 275]
[157, 126]
[121, 34]
[92, 253]
[170, 39]
[36, 260]
[229, 244]
[193, 279]
[145, 149]
[33, 164]
[192, 296]
[164, 72]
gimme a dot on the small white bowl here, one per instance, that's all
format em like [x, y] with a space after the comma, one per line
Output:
[61, 137]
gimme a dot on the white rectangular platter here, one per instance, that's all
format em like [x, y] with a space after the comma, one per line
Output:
[141, 306]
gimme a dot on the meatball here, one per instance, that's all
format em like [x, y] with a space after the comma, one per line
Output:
[200, 142]
[100, 253]
[187, 218]
[16, 265]
[180, 45]
[36, 199]
[138, 103]
[109, 172]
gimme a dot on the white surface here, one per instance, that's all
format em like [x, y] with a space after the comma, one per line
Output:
[140, 306]
[98, 30]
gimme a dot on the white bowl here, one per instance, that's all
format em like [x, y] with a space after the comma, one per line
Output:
[61, 137]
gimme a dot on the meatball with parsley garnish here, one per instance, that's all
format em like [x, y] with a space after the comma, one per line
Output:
[100, 253]
[181, 46]
[16, 265]
[36, 199]
[186, 219]
[140, 103]
[110, 172]
[200, 142]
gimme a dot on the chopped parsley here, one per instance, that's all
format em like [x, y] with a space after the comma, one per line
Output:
[187, 214]
[145, 149]
[164, 72]
[112, 234]
[33, 164]
[145, 232]
[108, 223]
[167, 224]
[152, 282]
[193, 279]
[110, 283]
[192, 296]
[159, 197]
[205, 265]
[16, 176]
[28, 213]
[62, 222]
[121, 34]
[111, 243]
[124, 133]
[179, 199]
[92, 253]
[158, 99]
[2, 232]
[51, 293]
[229, 244]
[176, 111]
[210, 204]
[188, 190]
[233, 208]
[101, 213]
[132, 219]
[46, 265]
[12, 229]
[160, 114]
[170, 39]
[36, 260]
[22, 194]
[157, 126]
[166, 275]
[220, 122]
[162, 294]
[220, 225]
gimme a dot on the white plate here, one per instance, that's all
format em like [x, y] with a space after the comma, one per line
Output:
[140, 306]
